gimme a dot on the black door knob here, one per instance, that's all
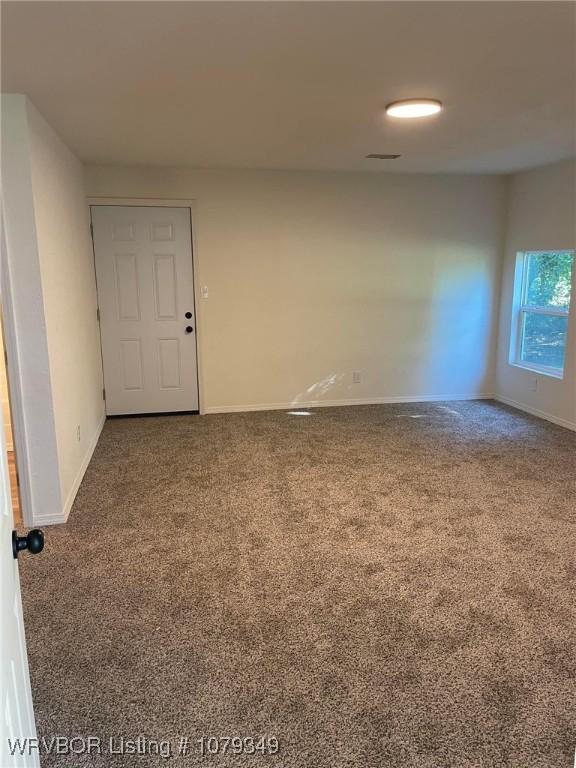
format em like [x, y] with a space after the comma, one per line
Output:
[33, 542]
[188, 315]
[189, 329]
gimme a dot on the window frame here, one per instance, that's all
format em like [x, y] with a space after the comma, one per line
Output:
[523, 309]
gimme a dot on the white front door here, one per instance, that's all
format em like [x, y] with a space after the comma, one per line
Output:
[146, 299]
[17, 727]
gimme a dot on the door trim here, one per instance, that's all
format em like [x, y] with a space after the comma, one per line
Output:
[191, 205]
[19, 434]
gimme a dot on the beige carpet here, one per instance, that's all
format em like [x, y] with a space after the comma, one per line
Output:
[376, 586]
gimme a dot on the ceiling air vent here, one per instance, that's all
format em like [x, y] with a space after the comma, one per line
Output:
[377, 156]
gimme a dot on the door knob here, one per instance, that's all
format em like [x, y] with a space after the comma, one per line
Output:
[189, 329]
[188, 315]
[33, 542]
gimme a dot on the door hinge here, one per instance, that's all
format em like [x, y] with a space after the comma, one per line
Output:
[103, 393]
[91, 230]
[17, 478]
[98, 314]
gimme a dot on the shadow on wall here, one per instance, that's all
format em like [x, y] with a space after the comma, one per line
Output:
[458, 340]
[442, 348]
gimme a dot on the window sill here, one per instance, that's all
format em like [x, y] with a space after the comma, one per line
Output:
[550, 372]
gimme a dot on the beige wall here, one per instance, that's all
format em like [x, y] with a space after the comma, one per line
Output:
[312, 276]
[49, 306]
[25, 325]
[70, 303]
[541, 216]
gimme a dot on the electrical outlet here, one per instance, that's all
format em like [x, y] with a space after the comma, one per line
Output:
[78, 432]
[204, 291]
[533, 385]
[356, 377]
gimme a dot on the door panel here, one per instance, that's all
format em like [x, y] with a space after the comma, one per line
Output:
[127, 291]
[165, 286]
[145, 287]
[131, 364]
[169, 359]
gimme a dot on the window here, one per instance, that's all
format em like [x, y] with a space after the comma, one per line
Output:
[543, 289]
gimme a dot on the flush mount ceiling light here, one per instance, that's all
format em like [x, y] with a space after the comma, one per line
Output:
[413, 108]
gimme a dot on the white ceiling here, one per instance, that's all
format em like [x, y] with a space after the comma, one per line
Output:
[299, 85]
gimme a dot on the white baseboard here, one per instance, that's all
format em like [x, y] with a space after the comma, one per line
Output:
[536, 412]
[63, 516]
[40, 522]
[336, 403]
